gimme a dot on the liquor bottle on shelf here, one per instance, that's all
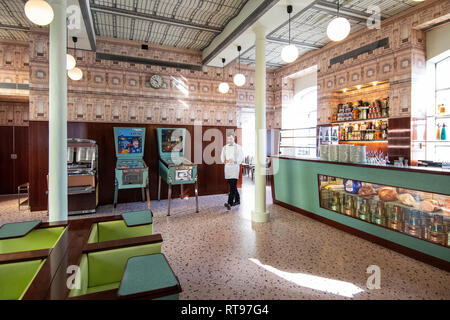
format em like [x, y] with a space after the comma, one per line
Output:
[438, 133]
[443, 133]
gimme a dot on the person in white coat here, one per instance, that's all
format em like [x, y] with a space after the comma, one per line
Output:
[232, 156]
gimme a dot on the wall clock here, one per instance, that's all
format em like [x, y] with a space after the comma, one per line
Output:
[156, 81]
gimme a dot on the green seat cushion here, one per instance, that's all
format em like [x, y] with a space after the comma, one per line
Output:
[17, 229]
[171, 297]
[15, 278]
[116, 230]
[146, 273]
[44, 238]
[106, 267]
[137, 218]
[93, 236]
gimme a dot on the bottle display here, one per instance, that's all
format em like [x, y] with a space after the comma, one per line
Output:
[375, 130]
[362, 110]
[419, 214]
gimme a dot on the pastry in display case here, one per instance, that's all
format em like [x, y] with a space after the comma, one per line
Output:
[423, 215]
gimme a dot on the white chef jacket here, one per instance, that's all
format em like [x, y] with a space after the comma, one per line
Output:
[232, 152]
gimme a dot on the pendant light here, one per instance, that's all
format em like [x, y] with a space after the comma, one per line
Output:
[339, 28]
[75, 73]
[223, 86]
[239, 78]
[290, 52]
[39, 12]
[70, 60]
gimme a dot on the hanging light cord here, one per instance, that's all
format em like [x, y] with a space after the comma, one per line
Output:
[338, 5]
[239, 59]
[289, 9]
[223, 69]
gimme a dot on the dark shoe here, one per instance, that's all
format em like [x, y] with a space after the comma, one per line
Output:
[236, 203]
[227, 205]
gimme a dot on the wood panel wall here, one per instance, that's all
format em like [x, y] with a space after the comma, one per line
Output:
[13, 172]
[211, 177]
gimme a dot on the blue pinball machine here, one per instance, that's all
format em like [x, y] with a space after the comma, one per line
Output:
[131, 170]
[174, 169]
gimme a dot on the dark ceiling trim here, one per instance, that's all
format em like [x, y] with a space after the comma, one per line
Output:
[84, 6]
[297, 43]
[154, 18]
[251, 19]
[176, 65]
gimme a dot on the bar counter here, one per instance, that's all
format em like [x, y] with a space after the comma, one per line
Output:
[297, 182]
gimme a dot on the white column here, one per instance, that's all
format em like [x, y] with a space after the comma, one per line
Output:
[57, 124]
[260, 213]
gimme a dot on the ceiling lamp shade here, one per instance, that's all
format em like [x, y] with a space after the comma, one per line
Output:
[239, 78]
[339, 28]
[290, 52]
[224, 87]
[75, 74]
[39, 12]
[71, 63]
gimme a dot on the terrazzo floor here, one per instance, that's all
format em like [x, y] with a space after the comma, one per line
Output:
[220, 254]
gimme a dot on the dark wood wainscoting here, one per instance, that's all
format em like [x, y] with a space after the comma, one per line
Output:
[210, 177]
[13, 172]
[399, 140]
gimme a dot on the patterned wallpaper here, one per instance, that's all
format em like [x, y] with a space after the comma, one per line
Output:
[113, 91]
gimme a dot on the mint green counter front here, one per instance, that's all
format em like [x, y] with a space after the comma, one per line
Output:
[296, 183]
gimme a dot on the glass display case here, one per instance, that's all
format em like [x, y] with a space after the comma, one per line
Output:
[416, 213]
[298, 142]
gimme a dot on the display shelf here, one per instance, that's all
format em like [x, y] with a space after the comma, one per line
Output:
[363, 141]
[354, 121]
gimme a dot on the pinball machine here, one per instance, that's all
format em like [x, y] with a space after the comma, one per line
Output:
[131, 170]
[174, 169]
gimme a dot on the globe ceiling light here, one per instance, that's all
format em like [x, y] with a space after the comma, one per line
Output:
[71, 63]
[39, 12]
[338, 29]
[239, 78]
[223, 86]
[290, 52]
[75, 74]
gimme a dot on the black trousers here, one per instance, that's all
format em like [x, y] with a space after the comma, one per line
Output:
[234, 194]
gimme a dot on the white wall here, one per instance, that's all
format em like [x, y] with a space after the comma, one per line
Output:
[306, 81]
[438, 43]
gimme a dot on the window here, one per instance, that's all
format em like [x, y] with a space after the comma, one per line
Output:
[299, 122]
[442, 113]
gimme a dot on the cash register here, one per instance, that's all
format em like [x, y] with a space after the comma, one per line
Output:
[174, 169]
[131, 171]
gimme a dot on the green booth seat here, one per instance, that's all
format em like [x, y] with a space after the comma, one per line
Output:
[103, 270]
[135, 224]
[16, 278]
[36, 239]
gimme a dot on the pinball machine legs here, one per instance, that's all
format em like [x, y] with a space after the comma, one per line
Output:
[116, 191]
[169, 196]
[159, 188]
[147, 189]
[182, 191]
[196, 196]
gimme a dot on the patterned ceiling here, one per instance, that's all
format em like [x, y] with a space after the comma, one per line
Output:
[193, 24]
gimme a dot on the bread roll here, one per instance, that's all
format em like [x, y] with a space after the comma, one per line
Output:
[406, 199]
[387, 194]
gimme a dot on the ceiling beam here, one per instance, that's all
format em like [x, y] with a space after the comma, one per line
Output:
[297, 43]
[16, 28]
[353, 14]
[88, 22]
[154, 18]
